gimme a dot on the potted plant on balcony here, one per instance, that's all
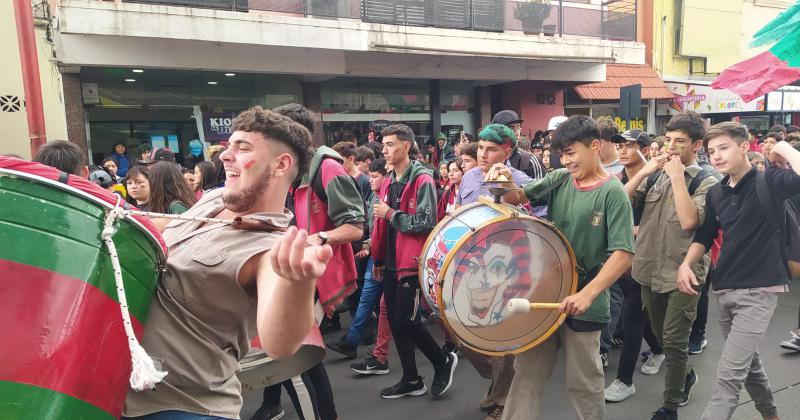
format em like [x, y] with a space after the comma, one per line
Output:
[532, 13]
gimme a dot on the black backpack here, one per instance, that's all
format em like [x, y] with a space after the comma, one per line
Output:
[786, 223]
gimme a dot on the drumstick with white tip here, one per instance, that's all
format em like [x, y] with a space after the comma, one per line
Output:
[522, 306]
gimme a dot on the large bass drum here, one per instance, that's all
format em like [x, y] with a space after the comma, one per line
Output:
[64, 351]
[483, 254]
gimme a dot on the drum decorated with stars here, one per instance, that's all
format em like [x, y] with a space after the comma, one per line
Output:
[485, 253]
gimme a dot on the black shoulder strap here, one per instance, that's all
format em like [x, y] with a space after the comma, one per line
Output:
[767, 204]
[316, 184]
[697, 180]
[651, 180]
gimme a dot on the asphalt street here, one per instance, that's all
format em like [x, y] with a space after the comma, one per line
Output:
[357, 397]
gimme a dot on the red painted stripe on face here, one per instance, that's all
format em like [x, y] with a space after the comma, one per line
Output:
[63, 334]
[250, 164]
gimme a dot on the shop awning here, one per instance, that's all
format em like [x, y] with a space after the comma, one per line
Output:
[619, 75]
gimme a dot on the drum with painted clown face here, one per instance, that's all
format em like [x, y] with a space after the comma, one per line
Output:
[483, 254]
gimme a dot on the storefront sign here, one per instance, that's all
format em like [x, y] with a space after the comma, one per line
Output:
[791, 101]
[217, 126]
[705, 100]
[378, 125]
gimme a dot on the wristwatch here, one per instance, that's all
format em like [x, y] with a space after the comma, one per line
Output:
[323, 237]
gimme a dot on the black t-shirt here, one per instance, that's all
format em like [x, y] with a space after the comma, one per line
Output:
[751, 254]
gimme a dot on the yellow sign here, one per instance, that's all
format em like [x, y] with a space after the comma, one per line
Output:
[637, 123]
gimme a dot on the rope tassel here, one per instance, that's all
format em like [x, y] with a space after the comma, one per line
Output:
[144, 372]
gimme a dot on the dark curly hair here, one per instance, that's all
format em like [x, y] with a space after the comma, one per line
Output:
[279, 128]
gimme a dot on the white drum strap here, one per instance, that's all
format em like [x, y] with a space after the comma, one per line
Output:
[144, 372]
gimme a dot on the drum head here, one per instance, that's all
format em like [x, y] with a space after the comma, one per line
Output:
[514, 257]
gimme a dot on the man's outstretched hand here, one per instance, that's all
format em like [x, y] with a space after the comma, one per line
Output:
[293, 260]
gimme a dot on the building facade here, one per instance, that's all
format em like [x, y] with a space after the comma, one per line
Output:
[693, 41]
[13, 116]
[165, 72]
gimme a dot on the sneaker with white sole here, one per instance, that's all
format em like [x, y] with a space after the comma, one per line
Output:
[402, 389]
[791, 344]
[697, 346]
[691, 381]
[619, 391]
[653, 363]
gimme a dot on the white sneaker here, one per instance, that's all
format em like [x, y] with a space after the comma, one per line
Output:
[653, 363]
[619, 391]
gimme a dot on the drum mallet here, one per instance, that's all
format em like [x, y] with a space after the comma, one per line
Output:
[522, 306]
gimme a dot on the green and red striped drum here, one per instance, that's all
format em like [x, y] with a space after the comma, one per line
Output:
[63, 350]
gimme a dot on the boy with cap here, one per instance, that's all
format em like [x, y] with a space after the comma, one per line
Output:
[519, 159]
[634, 145]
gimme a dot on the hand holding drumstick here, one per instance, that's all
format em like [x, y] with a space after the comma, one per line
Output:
[571, 305]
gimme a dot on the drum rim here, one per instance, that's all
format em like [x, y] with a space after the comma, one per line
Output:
[435, 231]
[75, 191]
[506, 216]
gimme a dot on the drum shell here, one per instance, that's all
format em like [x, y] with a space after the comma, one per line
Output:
[442, 239]
[68, 356]
[259, 371]
[523, 331]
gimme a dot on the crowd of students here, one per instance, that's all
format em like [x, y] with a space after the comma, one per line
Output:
[645, 215]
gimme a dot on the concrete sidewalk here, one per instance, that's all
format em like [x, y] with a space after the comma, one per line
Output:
[358, 397]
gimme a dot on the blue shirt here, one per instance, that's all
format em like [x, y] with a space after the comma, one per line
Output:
[472, 185]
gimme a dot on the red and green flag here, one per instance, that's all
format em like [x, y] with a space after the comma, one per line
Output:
[772, 69]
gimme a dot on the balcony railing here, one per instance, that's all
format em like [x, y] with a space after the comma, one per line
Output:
[611, 19]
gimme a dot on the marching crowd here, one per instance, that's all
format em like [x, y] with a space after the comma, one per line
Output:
[658, 224]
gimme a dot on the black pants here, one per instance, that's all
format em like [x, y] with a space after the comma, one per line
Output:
[402, 302]
[699, 325]
[637, 326]
[319, 390]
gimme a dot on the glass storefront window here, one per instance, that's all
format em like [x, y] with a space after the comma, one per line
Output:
[457, 107]
[349, 105]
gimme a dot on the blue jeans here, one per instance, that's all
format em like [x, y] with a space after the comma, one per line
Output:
[370, 297]
[175, 415]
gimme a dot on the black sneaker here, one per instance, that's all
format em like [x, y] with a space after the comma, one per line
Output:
[269, 413]
[443, 375]
[665, 414]
[415, 388]
[344, 347]
[370, 366]
[691, 381]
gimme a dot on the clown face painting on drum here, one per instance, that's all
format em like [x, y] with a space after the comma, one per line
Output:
[481, 256]
[490, 275]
